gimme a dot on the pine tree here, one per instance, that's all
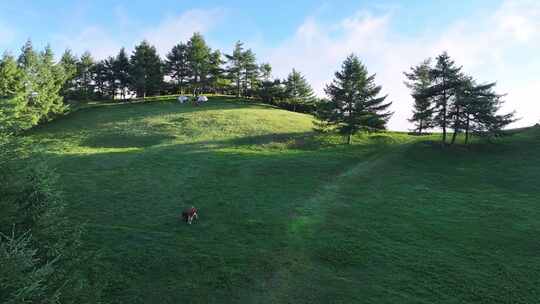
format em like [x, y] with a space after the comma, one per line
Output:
[250, 70]
[354, 104]
[446, 78]
[51, 79]
[419, 80]
[480, 106]
[215, 78]
[12, 97]
[177, 66]
[121, 71]
[85, 76]
[111, 81]
[235, 68]
[146, 73]
[69, 63]
[265, 71]
[199, 61]
[298, 92]
[43, 81]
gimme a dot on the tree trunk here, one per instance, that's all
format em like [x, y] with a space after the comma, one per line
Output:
[420, 128]
[467, 126]
[349, 139]
[456, 127]
[445, 101]
[238, 86]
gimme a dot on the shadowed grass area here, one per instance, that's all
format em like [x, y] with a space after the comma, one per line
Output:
[290, 216]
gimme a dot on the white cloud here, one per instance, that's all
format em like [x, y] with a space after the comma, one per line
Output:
[486, 47]
[180, 28]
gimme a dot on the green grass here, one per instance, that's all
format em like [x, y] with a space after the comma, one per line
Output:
[288, 216]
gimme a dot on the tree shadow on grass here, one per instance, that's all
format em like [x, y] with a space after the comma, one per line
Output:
[125, 140]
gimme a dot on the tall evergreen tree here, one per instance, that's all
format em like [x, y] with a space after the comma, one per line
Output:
[354, 103]
[12, 97]
[446, 79]
[250, 70]
[297, 90]
[235, 68]
[266, 71]
[51, 79]
[419, 80]
[69, 63]
[85, 76]
[199, 61]
[215, 78]
[110, 76]
[146, 70]
[121, 71]
[480, 105]
[177, 66]
[43, 80]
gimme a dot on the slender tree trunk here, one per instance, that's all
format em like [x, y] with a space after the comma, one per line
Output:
[467, 126]
[349, 138]
[445, 102]
[238, 85]
[420, 127]
[456, 126]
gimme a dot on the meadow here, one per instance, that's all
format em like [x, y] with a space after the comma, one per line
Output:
[292, 216]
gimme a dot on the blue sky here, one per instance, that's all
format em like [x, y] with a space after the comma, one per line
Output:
[496, 40]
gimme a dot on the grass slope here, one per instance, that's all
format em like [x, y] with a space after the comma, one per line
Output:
[291, 217]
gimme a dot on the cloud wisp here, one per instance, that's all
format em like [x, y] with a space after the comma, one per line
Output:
[487, 47]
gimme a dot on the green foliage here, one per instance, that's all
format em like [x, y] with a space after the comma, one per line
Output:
[298, 92]
[354, 104]
[446, 98]
[146, 73]
[177, 66]
[235, 61]
[243, 70]
[85, 76]
[199, 54]
[12, 97]
[121, 72]
[30, 89]
[69, 63]
[40, 257]
[419, 80]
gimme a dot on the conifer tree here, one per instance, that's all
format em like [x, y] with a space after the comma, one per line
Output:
[419, 80]
[121, 71]
[215, 76]
[250, 71]
[177, 66]
[12, 97]
[265, 71]
[199, 61]
[298, 92]
[354, 104]
[480, 106]
[69, 63]
[85, 76]
[446, 79]
[146, 73]
[236, 63]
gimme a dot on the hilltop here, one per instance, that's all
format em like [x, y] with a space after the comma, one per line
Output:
[288, 215]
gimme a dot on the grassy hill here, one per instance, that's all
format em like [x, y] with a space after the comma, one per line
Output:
[287, 216]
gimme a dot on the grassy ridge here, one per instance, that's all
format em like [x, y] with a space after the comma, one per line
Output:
[288, 216]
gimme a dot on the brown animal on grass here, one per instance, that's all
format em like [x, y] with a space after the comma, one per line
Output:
[189, 214]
